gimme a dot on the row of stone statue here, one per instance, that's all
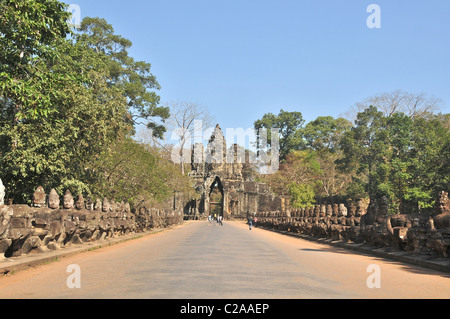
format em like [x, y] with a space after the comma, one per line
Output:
[53, 202]
[330, 210]
[415, 233]
[45, 225]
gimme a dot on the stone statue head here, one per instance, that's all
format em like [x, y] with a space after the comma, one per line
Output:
[98, 205]
[352, 211]
[335, 210]
[80, 202]
[142, 210]
[306, 213]
[342, 210]
[323, 210]
[121, 207]
[383, 207]
[2, 193]
[6, 214]
[39, 197]
[442, 203]
[373, 208]
[112, 205]
[329, 210]
[360, 208]
[89, 205]
[68, 201]
[316, 210]
[53, 199]
[105, 205]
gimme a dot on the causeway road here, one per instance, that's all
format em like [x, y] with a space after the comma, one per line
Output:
[201, 261]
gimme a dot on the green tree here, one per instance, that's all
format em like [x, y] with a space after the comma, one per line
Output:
[57, 151]
[429, 161]
[29, 32]
[289, 124]
[323, 136]
[365, 151]
[91, 94]
[133, 171]
[401, 157]
[298, 177]
[302, 195]
[325, 133]
[133, 78]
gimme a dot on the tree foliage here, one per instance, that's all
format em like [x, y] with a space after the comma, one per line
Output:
[29, 32]
[68, 104]
[133, 78]
[402, 156]
[288, 124]
[133, 171]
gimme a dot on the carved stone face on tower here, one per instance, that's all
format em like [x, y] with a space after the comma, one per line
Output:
[53, 199]
[68, 200]
[39, 197]
[216, 151]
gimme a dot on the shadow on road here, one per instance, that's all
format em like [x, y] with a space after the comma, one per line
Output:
[411, 268]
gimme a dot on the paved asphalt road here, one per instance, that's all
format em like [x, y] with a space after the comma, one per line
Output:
[198, 261]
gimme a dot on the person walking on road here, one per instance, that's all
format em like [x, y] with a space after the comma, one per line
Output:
[209, 218]
[250, 223]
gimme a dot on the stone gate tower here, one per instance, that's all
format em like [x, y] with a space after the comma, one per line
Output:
[218, 170]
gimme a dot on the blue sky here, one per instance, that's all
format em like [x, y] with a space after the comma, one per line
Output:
[244, 58]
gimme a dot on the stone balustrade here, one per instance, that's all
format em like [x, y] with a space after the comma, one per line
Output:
[47, 225]
[427, 234]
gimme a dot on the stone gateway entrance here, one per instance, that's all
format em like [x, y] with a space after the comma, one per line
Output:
[216, 199]
[222, 185]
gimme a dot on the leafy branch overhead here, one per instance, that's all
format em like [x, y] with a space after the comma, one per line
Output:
[68, 100]
[133, 78]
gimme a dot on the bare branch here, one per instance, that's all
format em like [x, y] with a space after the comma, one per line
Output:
[413, 105]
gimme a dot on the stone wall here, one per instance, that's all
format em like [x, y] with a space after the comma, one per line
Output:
[427, 234]
[47, 225]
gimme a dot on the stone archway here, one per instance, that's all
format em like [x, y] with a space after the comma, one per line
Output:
[216, 198]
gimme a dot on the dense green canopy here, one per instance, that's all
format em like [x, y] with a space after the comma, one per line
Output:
[402, 157]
